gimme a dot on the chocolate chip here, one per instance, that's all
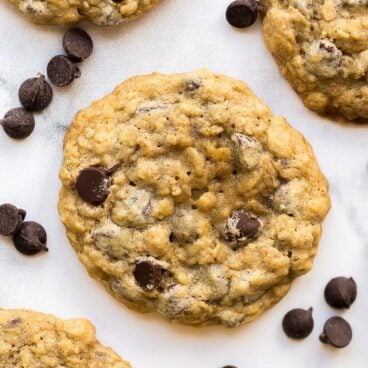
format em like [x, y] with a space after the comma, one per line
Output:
[336, 332]
[242, 13]
[77, 44]
[298, 323]
[241, 226]
[192, 85]
[229, 366]
[93, 185]
[341, 292]
[10, 219]
[35, 94]
[18, 123]
[61, 71]
[30, 239]
[148, 275]
[13, 323]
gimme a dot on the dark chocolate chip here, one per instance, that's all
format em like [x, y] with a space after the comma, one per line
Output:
[298, 323]
[18, 123]
[341, 292]
[242, 13]
[77, 44]
[229, 366]
[30, 239]
[93, 185]
[148, 275]
[35, 94]
[336, 332]
[10, 219]
[241, 226]
[61, 71]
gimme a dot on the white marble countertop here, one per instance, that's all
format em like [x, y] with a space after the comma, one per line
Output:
[179, 35]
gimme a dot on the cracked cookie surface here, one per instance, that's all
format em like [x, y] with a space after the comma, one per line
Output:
[213, 205]
[100, 12]
[321, 47]
[35, 340]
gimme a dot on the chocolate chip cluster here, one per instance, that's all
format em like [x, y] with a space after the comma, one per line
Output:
[35, 94]
[340, 293]
[29, 237]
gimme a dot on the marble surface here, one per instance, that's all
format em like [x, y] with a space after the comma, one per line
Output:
[179, 35]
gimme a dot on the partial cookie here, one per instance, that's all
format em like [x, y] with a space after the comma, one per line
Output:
[100, 12]
[183, 194]
[322, 49]
[36, 340]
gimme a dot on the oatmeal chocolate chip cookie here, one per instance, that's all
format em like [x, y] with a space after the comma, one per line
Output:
[183, 194]
[36, 340]
[100, 12]
[322, 49]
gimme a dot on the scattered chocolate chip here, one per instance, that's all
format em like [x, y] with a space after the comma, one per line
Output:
[341, 292]
[77, 44]
[241, 226]
[61, 71]
[242, 13]
[10, 219]
[30, 238]
[229, 366]
[18, 123]
[298, 323]
[35, 94]
[148, 275]
[93, 185]
[336, 332]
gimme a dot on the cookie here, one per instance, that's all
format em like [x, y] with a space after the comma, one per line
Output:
[322, 49]
[36, 340]
[100, 12]
[183, 194]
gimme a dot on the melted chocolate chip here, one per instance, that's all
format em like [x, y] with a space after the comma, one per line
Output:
[336, 332]
[18, 123]
[324, 46]
[148, 275]
[30, 239]
[341, 292]
[61, 71]
[10, 219]
[192, 85]
[93, 185]
[298, 323]
[241, 226]
[242, 13]
[35, 94]
[77, 44]
[13, 323]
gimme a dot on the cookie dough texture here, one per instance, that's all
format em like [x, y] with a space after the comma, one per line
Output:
[196, 151]
[100, 12]
[321, 47]
[36, 340]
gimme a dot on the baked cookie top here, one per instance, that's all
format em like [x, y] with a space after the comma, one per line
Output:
[36, 340]
[183, 194]
[100, 12]
[321, 47]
